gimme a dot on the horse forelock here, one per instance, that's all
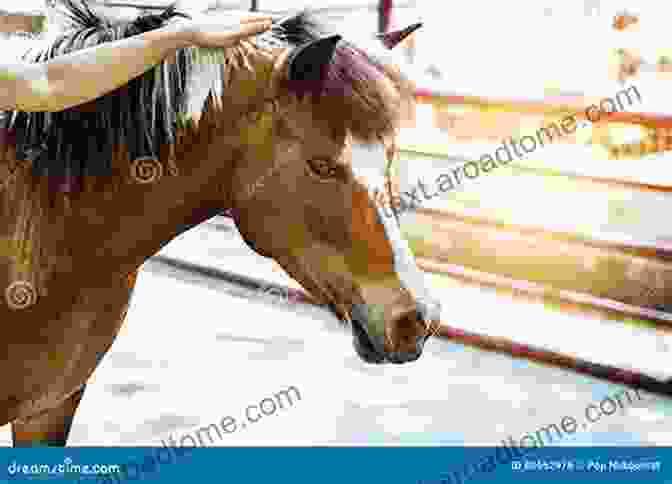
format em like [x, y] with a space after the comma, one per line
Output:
[147, 113]
[360, 91]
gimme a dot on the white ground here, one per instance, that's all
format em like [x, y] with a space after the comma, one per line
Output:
[194, 351]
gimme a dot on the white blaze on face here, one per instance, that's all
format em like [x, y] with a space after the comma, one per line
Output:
[368, 165]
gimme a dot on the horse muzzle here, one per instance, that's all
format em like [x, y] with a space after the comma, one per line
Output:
[399, 340]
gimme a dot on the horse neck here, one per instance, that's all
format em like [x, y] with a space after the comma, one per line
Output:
[126, 223]
[204, 158]
[148, 217]
[145, 217]
[116, 227]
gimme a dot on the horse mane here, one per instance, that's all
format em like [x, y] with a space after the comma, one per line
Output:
[147, 113]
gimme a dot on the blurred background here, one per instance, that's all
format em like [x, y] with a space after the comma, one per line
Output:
[549, 45]
[567, 249]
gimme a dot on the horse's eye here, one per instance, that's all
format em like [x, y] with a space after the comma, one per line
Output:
[323, 168]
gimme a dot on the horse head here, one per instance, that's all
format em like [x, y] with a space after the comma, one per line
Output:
[305, 185]
[294, 131]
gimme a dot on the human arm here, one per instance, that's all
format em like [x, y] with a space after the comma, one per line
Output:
[87, 74]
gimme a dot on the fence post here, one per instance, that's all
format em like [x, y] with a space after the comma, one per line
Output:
[384, 15]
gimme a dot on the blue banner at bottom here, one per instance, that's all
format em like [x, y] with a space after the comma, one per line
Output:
[388, 465]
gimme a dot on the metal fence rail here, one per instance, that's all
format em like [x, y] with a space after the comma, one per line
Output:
[609, 373]
[471, 238]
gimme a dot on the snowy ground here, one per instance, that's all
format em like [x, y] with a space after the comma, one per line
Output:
[195, 350]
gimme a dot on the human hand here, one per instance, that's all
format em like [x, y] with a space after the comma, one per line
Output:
[224, 29]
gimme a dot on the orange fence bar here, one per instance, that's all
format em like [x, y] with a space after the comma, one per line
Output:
[545, 105]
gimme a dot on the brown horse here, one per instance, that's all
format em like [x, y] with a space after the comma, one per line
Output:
[267, 129]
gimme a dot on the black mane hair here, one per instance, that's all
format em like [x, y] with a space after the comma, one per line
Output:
[145, 114]
[142, 115]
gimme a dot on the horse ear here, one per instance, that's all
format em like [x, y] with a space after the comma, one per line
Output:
[394, 38]
[308, 62]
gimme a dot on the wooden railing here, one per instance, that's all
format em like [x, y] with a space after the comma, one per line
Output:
[554, 106]
[617, 268]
